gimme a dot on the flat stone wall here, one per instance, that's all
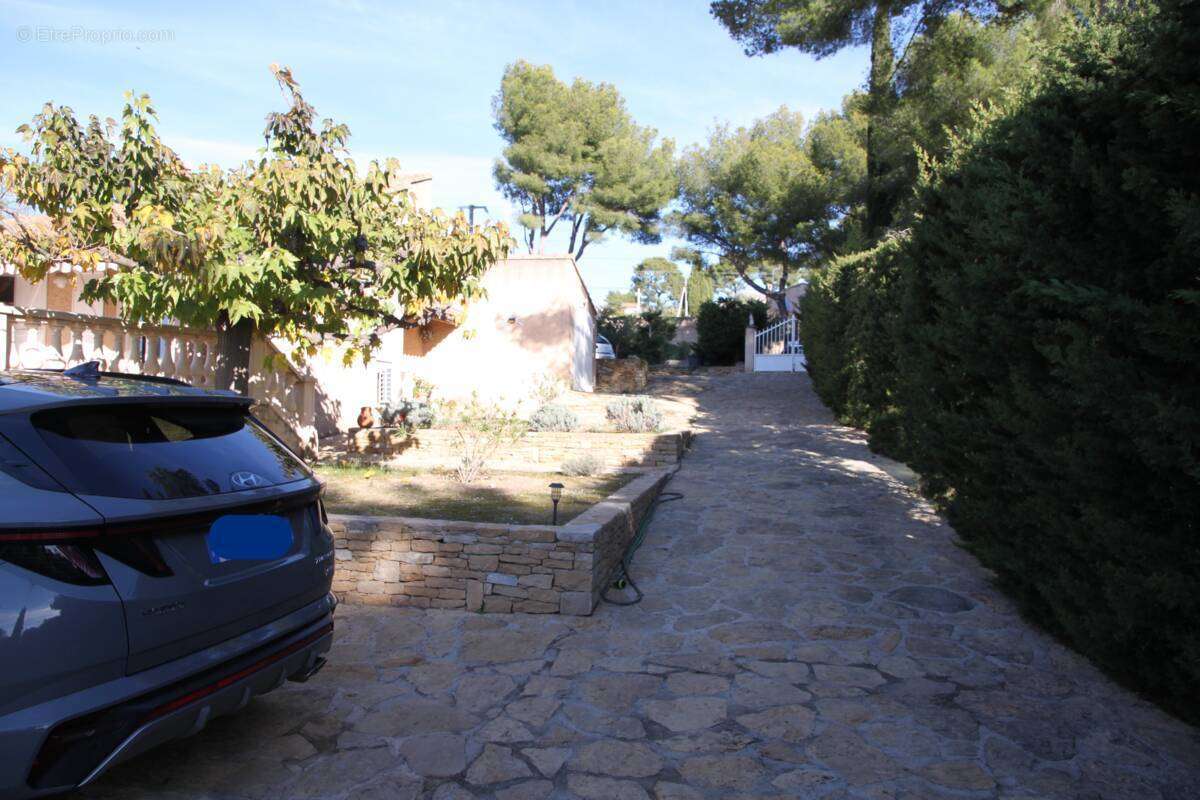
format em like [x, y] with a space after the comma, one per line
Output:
[537, 569]
[536, 450]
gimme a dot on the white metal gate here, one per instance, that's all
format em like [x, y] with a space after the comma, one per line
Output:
[778, 349]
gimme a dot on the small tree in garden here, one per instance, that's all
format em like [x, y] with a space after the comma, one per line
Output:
[652, 336]
[300, 243]
[480, 430]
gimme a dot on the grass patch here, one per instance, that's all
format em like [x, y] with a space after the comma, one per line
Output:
[521, 498]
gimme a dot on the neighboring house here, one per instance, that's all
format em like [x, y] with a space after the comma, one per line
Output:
[630, 309]
[536, 320]
[793, 294]
[419, 185]
[791, 297]
[686, 331]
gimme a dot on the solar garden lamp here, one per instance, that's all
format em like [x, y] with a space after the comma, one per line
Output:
[555, 496]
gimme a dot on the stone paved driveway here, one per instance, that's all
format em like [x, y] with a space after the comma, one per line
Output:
[810, 629]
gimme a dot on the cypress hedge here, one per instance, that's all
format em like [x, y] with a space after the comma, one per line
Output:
[847, 324]
[1034, 344]
[721, 329]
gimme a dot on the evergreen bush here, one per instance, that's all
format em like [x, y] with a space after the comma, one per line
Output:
[1034, 343]
[721, 329]
[847, 324]
[634, 415]
[583, 465]
[647, 335]
[553, 417]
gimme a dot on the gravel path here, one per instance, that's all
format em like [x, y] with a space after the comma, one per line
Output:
[810, 629]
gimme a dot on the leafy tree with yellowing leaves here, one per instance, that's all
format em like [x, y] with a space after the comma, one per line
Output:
[298, 243]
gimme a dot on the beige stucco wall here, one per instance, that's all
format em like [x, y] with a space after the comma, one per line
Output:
[535, 320]
[343, 390]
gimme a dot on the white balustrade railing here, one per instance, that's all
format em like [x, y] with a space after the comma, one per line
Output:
[287, 393]
[40, 339]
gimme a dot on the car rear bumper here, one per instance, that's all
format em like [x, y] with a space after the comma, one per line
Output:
[155, 706]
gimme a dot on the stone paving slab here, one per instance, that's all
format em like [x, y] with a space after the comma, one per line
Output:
[810, 629]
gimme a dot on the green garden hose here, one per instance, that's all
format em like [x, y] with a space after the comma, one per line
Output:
[623, 578]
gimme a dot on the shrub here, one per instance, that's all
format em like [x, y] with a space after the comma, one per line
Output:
[681, 351]
[391, 414]
[422, 414]
[408, 414]
[634, 415]
[480, 430]
[721, 329]
[647, 336]
[584, 465]
[547, 389]
[1042, 328]
[847, 325]
[1049, 357]
[553, 417]
[423, 390]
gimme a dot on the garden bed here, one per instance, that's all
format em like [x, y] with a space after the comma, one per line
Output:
[506, 497]
[489, 566]
[534, 451]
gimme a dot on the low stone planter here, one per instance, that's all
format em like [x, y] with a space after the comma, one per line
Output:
[536, 450]
[537, 569]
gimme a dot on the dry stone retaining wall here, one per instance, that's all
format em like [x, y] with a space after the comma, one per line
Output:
[622, 375]
[536, 450]
[538, 569]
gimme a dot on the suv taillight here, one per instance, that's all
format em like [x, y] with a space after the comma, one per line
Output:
[70, 563]
[70, 555]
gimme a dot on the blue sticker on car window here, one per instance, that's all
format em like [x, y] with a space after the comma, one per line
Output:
[249, 537]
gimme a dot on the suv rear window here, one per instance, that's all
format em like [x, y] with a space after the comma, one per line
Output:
[164, 452]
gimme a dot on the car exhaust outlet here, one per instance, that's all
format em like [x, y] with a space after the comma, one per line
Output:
[303, 675]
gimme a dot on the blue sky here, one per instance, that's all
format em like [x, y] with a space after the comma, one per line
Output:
[413, 79]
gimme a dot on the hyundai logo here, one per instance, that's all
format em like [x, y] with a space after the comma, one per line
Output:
[247, 480]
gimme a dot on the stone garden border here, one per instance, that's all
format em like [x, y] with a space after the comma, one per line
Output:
[490, 567]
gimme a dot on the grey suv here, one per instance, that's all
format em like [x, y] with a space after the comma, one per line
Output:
[163, 559]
